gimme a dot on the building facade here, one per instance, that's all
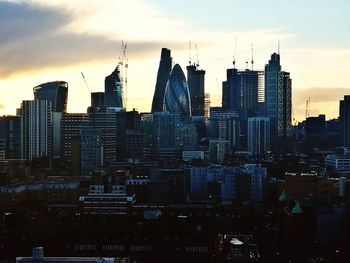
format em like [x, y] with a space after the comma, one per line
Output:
[164, 69]
[56, 92]
[196, 82]
[36, 125]
[258, 135]
[113, 96]
[344, 117]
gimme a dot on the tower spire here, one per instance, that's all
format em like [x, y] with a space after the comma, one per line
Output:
[278, 50]
[234, 53]
[190, 58]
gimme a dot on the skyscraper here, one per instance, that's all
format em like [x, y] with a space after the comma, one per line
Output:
[91, 150]
[278, 98]
[231, 91]
[164, 69]
[10, 137]
[344, 117]
[113, 96]
[36, 125]
[258, 135]
[195, 80]
[97, 99]
[56, 92]
[177, 97]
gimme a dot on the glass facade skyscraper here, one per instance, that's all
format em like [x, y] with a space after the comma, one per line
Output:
[278, 98]
[177, 96]
[113, 96]
[56, 92]
[162, 78]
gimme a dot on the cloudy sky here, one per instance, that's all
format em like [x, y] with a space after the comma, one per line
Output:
[44, 41]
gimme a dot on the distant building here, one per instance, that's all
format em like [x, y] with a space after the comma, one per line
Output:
[91, 150]
[71, 123]
[226, 183]
[164, 69]
[113, 96]
[97, 99]
[98, 202]
[189, 155]
[36, 125]
[344, 118]
[338, 162]
[278, 98]
[111, 122]
[10, 137]
[196, 81]
[308, 185]
[177, 96]
[258, 135]
[218, 148]
[55, 92]
[188, 135]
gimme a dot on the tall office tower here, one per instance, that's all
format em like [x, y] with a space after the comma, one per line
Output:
[111, 121]
[241, 93]
[113, 96]
[258, 135]
[71, 123]
[218, 149]
[278, 98]
[177, 96]
[97, 99]
[195, 80]
[36, 124]
[10, 137]
[344, 117]
[164, 69]
[56, 92]
[91, 150]
[231, 91]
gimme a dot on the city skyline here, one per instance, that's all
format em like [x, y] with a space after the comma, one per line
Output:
[40, 52]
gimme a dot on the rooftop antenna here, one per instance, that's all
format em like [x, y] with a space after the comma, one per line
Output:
[246, 64]
[197, 56]
[234, 53]
[252, 58]
[190, 59]
[278, 47]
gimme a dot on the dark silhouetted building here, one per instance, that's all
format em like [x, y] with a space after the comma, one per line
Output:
[56, 92]
[10, 137]
[258, 135]
[177, 96]
[71, 123]
[195, 80]
[344, 118]
[113, 96]
[97, 99]
[164, 69]
[91, 150]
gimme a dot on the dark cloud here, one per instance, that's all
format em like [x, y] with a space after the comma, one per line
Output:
[32, 39]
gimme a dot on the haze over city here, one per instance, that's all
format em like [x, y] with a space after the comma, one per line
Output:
[44, 41]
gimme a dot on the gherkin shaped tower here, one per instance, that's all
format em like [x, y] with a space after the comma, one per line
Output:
[177, 95]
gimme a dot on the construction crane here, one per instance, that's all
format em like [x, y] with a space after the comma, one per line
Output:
[86, 85]
[197, 64]
[252, 57]
[123, 63]
[307, 108]
[190, 58]
[234, 54]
